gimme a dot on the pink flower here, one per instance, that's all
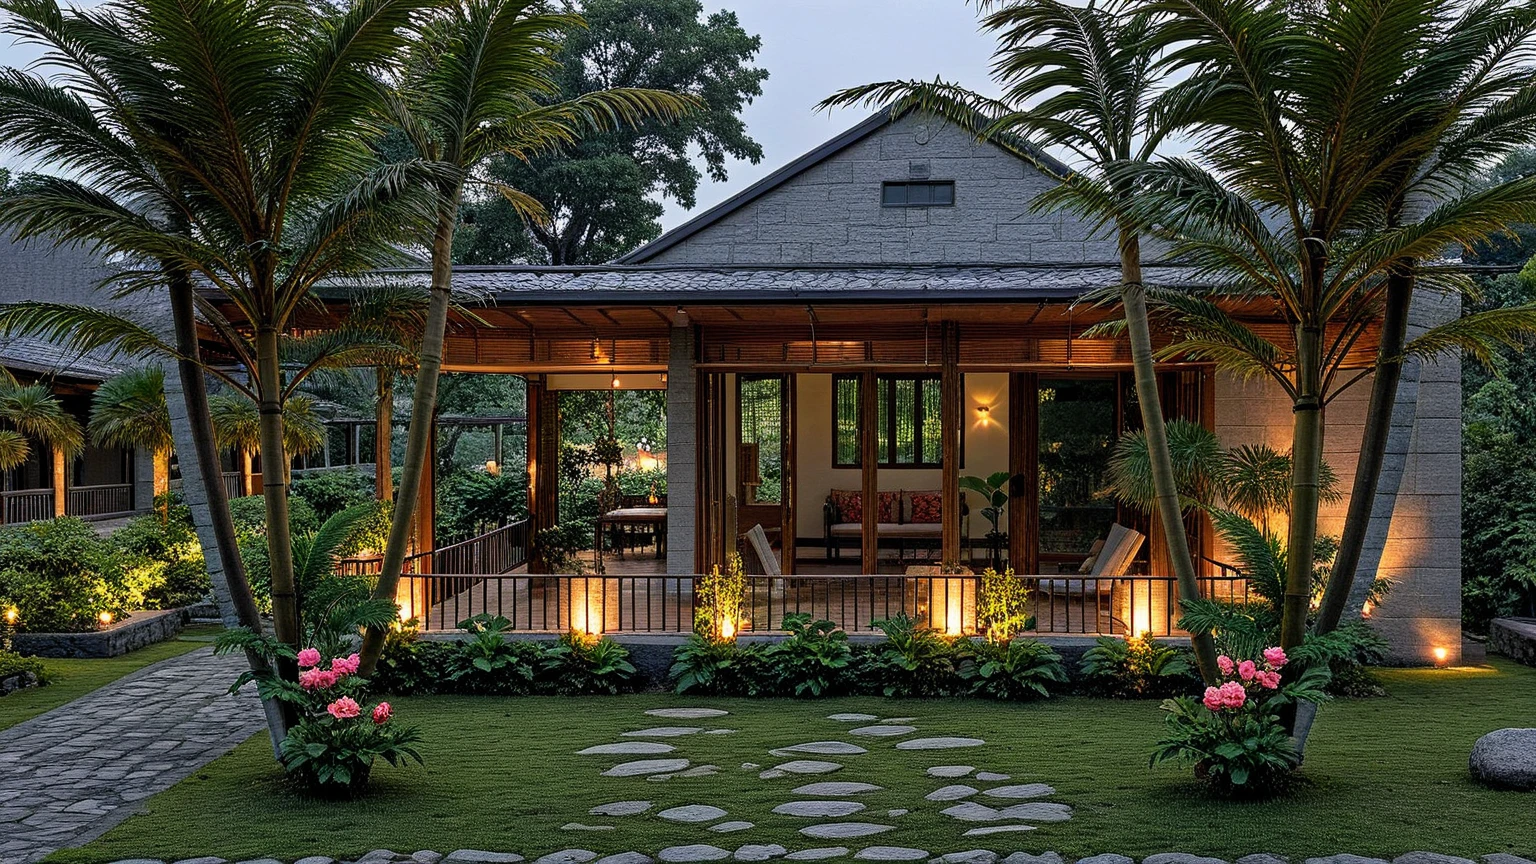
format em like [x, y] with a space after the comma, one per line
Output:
[1233, 695]
[1212, 699]
[1270, 680]
[1224, 663]
[1246, 670]
[381, 713]
[309, 657]
[345, 665]
[344, 708]
[1275, 656]
[317, 679]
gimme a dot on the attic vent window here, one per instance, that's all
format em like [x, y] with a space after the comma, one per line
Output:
[924, 193]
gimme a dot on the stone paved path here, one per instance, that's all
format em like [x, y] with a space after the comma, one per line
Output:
[70, 774]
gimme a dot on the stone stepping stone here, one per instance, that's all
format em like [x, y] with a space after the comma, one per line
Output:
[835, 789]
[819, 809]
[1027, 790]
[577, 826]
[566, 856]
[627, 748]
[878, 731]
[759, 852]
[626, 858]
[890, 853]
[951, 793]
[692, 813]
[646, 766]
[938, 743]
[1038, 811]
[479, 856]
[621, 808]
[852, 718]
[997, 829]
[971, 856]
[950, 771]
[838, 830]
[693, 852]
[663, 732]
[990, 777]
[687, 714]
[804, 766]
[731, 827]
[822, 748]
[817, 854]
[895, 813]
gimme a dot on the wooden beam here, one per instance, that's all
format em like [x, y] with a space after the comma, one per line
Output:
[951, 397]
[1024, 465]
[869, 456]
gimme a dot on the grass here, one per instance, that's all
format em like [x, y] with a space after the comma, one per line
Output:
[70, 679]
[1384, 776]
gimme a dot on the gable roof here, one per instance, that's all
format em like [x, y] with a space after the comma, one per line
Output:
[848, 138]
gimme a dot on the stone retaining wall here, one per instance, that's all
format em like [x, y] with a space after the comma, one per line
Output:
[1515, 638]
[135, 631]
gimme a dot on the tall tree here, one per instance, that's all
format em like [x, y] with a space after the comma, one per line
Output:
[599, 193]
[481, 83]
[129, 410]
[32, 413]
[1085, 79]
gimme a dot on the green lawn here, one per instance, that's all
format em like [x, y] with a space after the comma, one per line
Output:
[1386, 776]
[71, 679]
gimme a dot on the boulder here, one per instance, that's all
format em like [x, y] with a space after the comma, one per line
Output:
[1505, 758]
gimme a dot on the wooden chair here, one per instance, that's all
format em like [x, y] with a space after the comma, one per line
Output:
[760, 560]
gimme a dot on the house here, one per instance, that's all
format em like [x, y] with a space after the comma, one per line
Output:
[885, 314]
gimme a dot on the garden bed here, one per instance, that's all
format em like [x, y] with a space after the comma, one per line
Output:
[1515, 638]
[131, 632]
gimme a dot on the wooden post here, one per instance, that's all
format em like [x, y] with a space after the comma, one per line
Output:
[869, 443]
[60, 484]
[951, 397]
[543, 465]
[1024, 465]
[787, 431]
[247, 473]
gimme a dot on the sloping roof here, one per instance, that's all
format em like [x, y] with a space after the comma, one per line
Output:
[712, 284]
[830, 148]
[46, 358]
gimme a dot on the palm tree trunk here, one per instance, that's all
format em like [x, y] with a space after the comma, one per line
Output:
[1133, 298]
[1373, 446]
[423, 415]
[383, 434]
[205, 452]
[1306, 468]
[285, 599]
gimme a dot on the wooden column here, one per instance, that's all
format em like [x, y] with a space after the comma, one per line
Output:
[247, 472]
[60, 483]
[787, 431]
[951, 397]
[1024, 465]
[869, 456]
[543, 454]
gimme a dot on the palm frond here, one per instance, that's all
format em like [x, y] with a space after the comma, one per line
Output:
[129, 410]
[33, 411]
[82, 328]
[13, 449]
[1479, 335]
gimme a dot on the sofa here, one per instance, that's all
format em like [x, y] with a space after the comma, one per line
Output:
[909, 520]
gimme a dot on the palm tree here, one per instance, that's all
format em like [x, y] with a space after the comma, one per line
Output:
[129, 410]
[1084, 79]
[1298, 106]
[237, 427]
[481, 83]
[32, 412]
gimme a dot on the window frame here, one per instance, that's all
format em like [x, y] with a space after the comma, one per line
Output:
[908, 184]
[888, 458]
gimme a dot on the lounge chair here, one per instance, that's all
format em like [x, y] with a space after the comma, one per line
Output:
[1114, 559]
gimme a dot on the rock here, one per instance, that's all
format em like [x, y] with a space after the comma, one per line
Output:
[646, 766]
[686, 714]
[577, 826]
[950, 771]
[1430, 858]
[819, 809]
[260, 861]
[759, 852]
[621, 808]
[838, 830]
[886, 731]
[567, 856]
[316, 859]
[142, 861]
[992, 777]
[663, 732]
[692, 813]
[806, 766]
[817, 854]
[891, 853]
[700, 771]
[772, 774]
[1038, 811]
[973, 856]
[426, 856]
[693, 852]
[477, 856]
[897, 812]
[989, 830]
[1107, 858]
[721, 732]
[951, 793]
[1180, 858]
[938, 743]
[822, 748]
[1026, 858]
[851, 718]
[833, 788]
[1506, 858]
[1027, 790]
[730, 827]
[626, 858]
[627, 748]
[1345, 859]
[750, 766]
[1263, 858]
[970, 811]
[379, 856]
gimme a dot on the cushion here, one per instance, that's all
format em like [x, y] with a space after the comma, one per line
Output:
[926, 507]
[890, 507]
[849, 504]
[912, 529]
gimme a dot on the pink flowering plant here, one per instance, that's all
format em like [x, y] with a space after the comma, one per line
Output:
[1233, 733]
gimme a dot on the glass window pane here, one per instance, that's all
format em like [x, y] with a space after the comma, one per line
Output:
[845, 403]
[883, 419]
[761, 413]
[943, 193]
[932, 451]
[906, 421]
[1076, 438]
[919, 194]
[894, 194]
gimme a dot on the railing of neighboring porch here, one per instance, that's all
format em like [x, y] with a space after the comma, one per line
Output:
[27, 505]
[112, 499]
[234, 484]
[469, 562]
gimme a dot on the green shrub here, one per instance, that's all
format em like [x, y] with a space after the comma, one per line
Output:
[60, 576]
[717, 667]
[250, 516]
[330, 492]
[409, 665]
[1002, 605]
[489, 664]
[163, 559]
[12, 663]
[580, 665]
[471, 503]
[1137, 668]
[1012, 671]
[912, 661]
[719, 600]
[812, 661]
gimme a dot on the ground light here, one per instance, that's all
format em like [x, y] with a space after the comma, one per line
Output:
[1441, 655]
[104, 618]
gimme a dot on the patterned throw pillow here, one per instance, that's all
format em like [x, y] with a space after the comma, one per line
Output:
[890, 507]
[849, 504]
[925, 506]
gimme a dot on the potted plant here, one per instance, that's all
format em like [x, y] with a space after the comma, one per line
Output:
[993, 490]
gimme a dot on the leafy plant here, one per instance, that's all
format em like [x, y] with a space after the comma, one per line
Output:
[706, 666]
[411, 665]
[330, 492]
[580, 665]
[1002, 605]
[162, 558]
[12, 664]
[993, 490]
[1137, 668]
[912, 661]
[1014, 671]
[490, 664]
[60, 576]
[720, 598]
[812, 660]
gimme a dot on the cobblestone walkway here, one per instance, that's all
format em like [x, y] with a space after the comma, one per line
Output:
[70, 774]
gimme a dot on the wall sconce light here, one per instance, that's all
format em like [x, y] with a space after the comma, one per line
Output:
[11, 615]
[663, 377]
[616, 384]
[984, 410]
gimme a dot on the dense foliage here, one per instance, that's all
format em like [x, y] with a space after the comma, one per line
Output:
[489, 663]
[60, 576]
[163, 558]
[1137, 668]
[12, 664]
